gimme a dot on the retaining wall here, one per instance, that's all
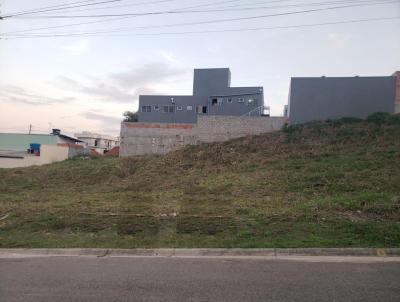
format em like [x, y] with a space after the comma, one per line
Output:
[157, 138]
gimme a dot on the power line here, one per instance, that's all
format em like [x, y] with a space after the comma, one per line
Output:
[224, 30]
[111, 19]
[201, 22]
[58, 5]
[374, 2]
[60, 8]
[154, 2]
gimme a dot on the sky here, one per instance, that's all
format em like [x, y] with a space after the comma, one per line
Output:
[83, 77]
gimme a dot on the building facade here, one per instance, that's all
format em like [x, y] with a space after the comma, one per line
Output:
[100, 143]
[212, 95]
[397, 103]
[23, 150]
[312, 99]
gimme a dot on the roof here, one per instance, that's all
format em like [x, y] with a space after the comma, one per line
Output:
[70, 138]
[87, 134]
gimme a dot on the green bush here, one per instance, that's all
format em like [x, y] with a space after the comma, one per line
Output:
[378, 118]
[394, 119]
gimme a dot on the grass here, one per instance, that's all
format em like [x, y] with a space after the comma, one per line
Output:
[325, 184]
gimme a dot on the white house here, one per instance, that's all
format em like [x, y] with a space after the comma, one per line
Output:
[100, 143]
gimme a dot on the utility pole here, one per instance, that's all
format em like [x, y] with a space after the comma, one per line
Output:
[30, 128]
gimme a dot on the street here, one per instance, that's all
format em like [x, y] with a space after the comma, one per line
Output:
[181, 279]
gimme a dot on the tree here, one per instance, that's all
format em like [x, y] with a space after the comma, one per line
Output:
[130, 116]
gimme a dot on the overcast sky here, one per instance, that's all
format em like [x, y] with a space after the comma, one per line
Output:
[79, 82]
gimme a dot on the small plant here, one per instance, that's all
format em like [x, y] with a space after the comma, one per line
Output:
[350, 120]
[394, 119]
[378, 118]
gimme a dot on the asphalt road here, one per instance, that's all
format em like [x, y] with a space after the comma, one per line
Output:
[171, 279]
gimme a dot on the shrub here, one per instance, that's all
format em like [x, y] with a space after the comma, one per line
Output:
[378, 118]
[394, 119]
[350, 120]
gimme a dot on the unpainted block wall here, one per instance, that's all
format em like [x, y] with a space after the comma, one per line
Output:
[153, 138]
[222, 128]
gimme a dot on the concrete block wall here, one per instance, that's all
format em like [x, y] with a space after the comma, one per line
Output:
[155, 138]
[148, 138]
[222, 128]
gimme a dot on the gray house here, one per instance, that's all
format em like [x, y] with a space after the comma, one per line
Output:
[323, 98]
[212, 95]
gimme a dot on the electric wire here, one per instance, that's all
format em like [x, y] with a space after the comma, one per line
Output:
[373, 2]
[200, 22]
[222, 31]
[54, 9]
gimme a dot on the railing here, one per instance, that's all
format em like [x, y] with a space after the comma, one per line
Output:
[259, 110]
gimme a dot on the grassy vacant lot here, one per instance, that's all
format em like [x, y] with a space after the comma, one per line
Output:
[328, 184]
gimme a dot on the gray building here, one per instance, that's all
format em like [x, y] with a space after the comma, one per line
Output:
[323, 98]
[212, 95]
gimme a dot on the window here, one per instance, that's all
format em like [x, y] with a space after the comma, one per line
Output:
[201, 109]
[165, 109]
[251, 101]
[189, 108]
[96, 142]
[179, 108]
[241, 100]
[156, 108]
[146, 108]
[217, 101]
[229, 100]
[171, 109]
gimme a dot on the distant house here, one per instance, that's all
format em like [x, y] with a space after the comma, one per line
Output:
[212, 95]
[98, 142]
[23, 150]
[323, 98]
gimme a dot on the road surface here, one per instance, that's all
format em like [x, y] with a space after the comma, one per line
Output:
[178, 279]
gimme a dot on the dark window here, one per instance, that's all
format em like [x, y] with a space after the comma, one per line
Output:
[156, 108]
[179, 108]
[217, 102]
[146, 108]
[229, 100]
[201, 109]
[241, 100]
[96, 142]
[165, 109]
[171, 109]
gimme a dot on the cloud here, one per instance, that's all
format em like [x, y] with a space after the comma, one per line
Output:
[77, 48]
[102, 117]
[108, 123]
[148, 74]
[126, 86]
[338, 40]
[12, 93]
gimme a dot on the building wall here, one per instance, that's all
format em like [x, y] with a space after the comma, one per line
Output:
[48, 154]
[331, 98]
[160, 138]
[208, 84]
[21, 142]
[210, 81]
[397, 104]
[222, 128]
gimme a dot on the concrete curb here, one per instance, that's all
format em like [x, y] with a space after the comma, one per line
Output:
[198, 253]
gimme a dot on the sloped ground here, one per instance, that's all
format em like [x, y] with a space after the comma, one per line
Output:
[327, 184]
